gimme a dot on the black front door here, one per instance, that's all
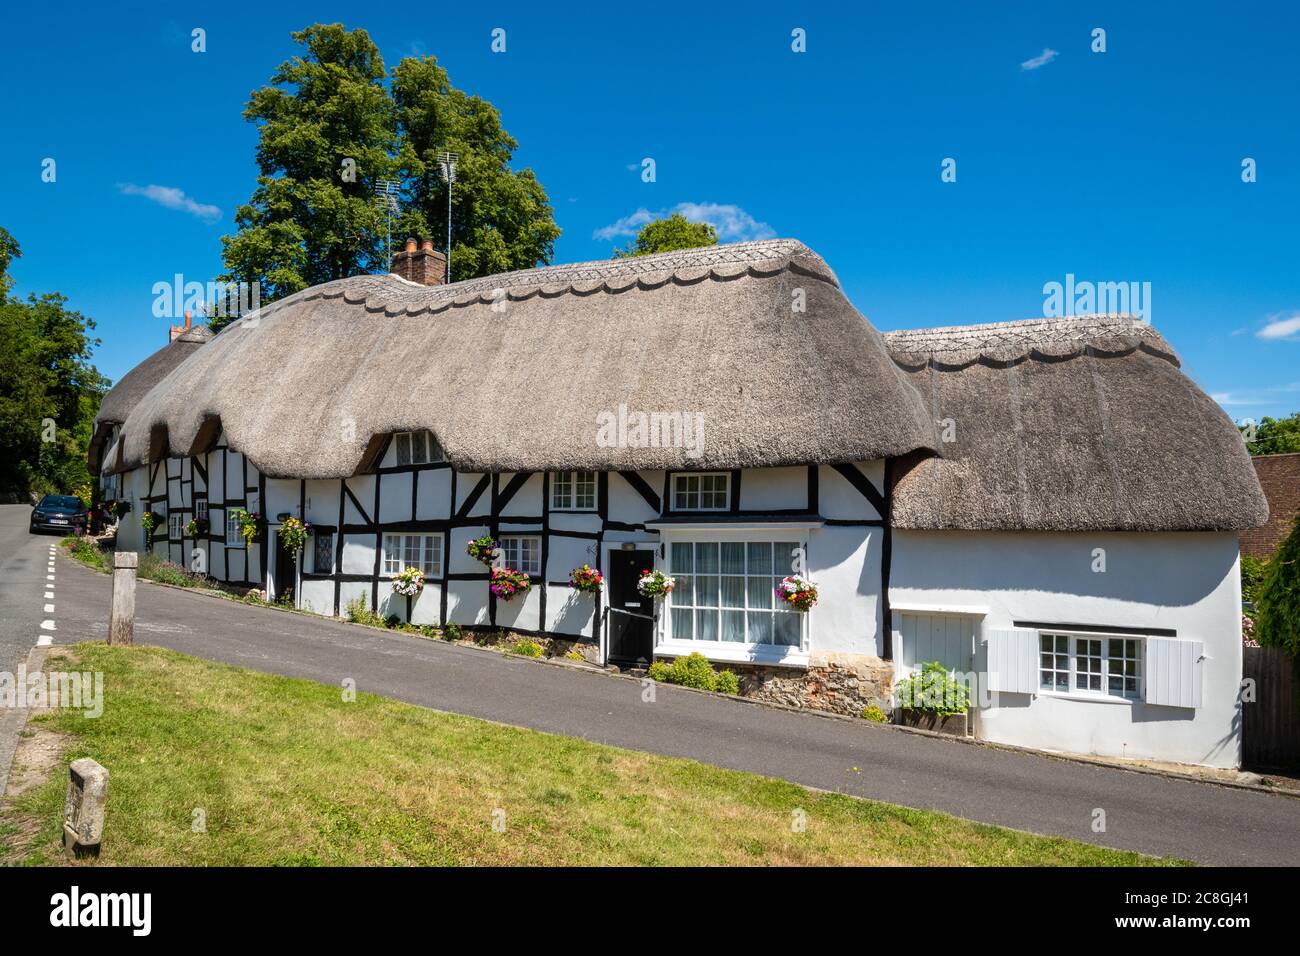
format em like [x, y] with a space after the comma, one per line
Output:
[286, 568]
[631, 625]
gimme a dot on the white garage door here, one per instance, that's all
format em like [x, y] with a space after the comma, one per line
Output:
[947, 638]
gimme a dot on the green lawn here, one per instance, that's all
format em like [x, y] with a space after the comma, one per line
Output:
[286, 772]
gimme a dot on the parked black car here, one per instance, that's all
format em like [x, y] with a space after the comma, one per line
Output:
[61, 513]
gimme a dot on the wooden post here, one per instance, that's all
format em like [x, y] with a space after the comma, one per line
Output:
[121, 621]
[83, 808]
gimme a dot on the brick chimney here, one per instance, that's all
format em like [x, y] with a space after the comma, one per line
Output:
[422, 264]
[179, 330]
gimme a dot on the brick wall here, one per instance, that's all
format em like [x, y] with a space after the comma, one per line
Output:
[1279, 476]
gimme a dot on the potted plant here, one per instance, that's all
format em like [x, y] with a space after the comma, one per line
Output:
[121, 508]
[410, 582]
[586, 579]
[483, 549]
[294, 533]
[150, 520]
[797, 592]
[507, 583]
[251, 526]
[655, 584]
[932, 699]
[197, 528]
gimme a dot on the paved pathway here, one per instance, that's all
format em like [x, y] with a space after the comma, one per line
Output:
[1148, 813]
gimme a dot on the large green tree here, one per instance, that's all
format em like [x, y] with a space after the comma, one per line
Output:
[49, 390]
[667, 234]
[332, 124]
[1274, 436]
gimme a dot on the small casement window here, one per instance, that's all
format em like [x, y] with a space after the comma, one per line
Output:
[1105, 666]
[573, 491]
[709, 491]
[523, 553]
[324, 552]
[417, 448]
[201, 507]
[233, 537]
[423, 551]
[175, 525]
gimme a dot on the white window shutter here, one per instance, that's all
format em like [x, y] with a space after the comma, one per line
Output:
[1013, 661]
[1173, 672]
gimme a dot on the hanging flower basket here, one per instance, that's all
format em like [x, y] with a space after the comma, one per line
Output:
[507, 583]
[483, 549]
[655, 584]
[251, 526]
[294, 533]
[586, 579]
[121, 508]
[197, 528]
[150, 520]
[798, 593]
[410, 582]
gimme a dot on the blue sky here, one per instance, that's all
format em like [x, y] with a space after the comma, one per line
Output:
[1114, 167]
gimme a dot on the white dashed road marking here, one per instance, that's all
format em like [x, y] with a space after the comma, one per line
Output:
[48, 626]
[49, 609]
[44, 641]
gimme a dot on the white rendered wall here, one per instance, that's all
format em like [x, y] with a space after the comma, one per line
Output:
[1187, 582]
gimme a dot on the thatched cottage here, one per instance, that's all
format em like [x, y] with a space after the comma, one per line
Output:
[1051, 505]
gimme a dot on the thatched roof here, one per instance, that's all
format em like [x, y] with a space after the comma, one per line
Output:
[510, 372]
[119, 400]
[1065, 425]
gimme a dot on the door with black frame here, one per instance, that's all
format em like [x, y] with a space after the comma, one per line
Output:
[286, 572]
[631, 614]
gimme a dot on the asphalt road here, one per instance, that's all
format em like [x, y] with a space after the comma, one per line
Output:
[1152, 814]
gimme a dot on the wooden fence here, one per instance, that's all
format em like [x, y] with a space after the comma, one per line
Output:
[1270, 726]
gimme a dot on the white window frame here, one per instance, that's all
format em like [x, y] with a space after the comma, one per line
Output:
[234, 539]
[1079, 678]
[175, 526]
[513, 553]
[423, 441]
[566, 494]
[399, 547]
[772, 652]
[687, 477]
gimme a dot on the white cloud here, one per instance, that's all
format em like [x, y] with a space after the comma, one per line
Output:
[1287, 328]
[732, 222]
[1044, 58]
[172, 198]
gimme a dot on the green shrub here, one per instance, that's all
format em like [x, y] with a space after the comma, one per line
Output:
[88, 553]
[1253, 571]
[694, 670]
[874, 714]
[526, 647]
[932, 691]
[451, 631]
[358, 612]
[574, 656]
[1277, 617]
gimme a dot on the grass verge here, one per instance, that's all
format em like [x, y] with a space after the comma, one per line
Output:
[285, 771]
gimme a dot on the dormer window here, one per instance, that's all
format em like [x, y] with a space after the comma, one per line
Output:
[417, 448]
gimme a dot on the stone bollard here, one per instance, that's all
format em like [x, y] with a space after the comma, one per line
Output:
[121, 621]
[83, 810]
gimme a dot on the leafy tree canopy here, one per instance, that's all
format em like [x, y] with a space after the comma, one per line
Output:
[332, 124]
[665, 235]
[1277, 609]
[49, 390]
[9, 251]
[1274, 436]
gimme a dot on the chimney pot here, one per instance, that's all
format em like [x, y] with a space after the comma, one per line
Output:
[189, 319]
[410, 245]
[420, 262]
[426, 245]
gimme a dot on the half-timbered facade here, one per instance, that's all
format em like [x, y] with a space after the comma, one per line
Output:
[993, 497]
